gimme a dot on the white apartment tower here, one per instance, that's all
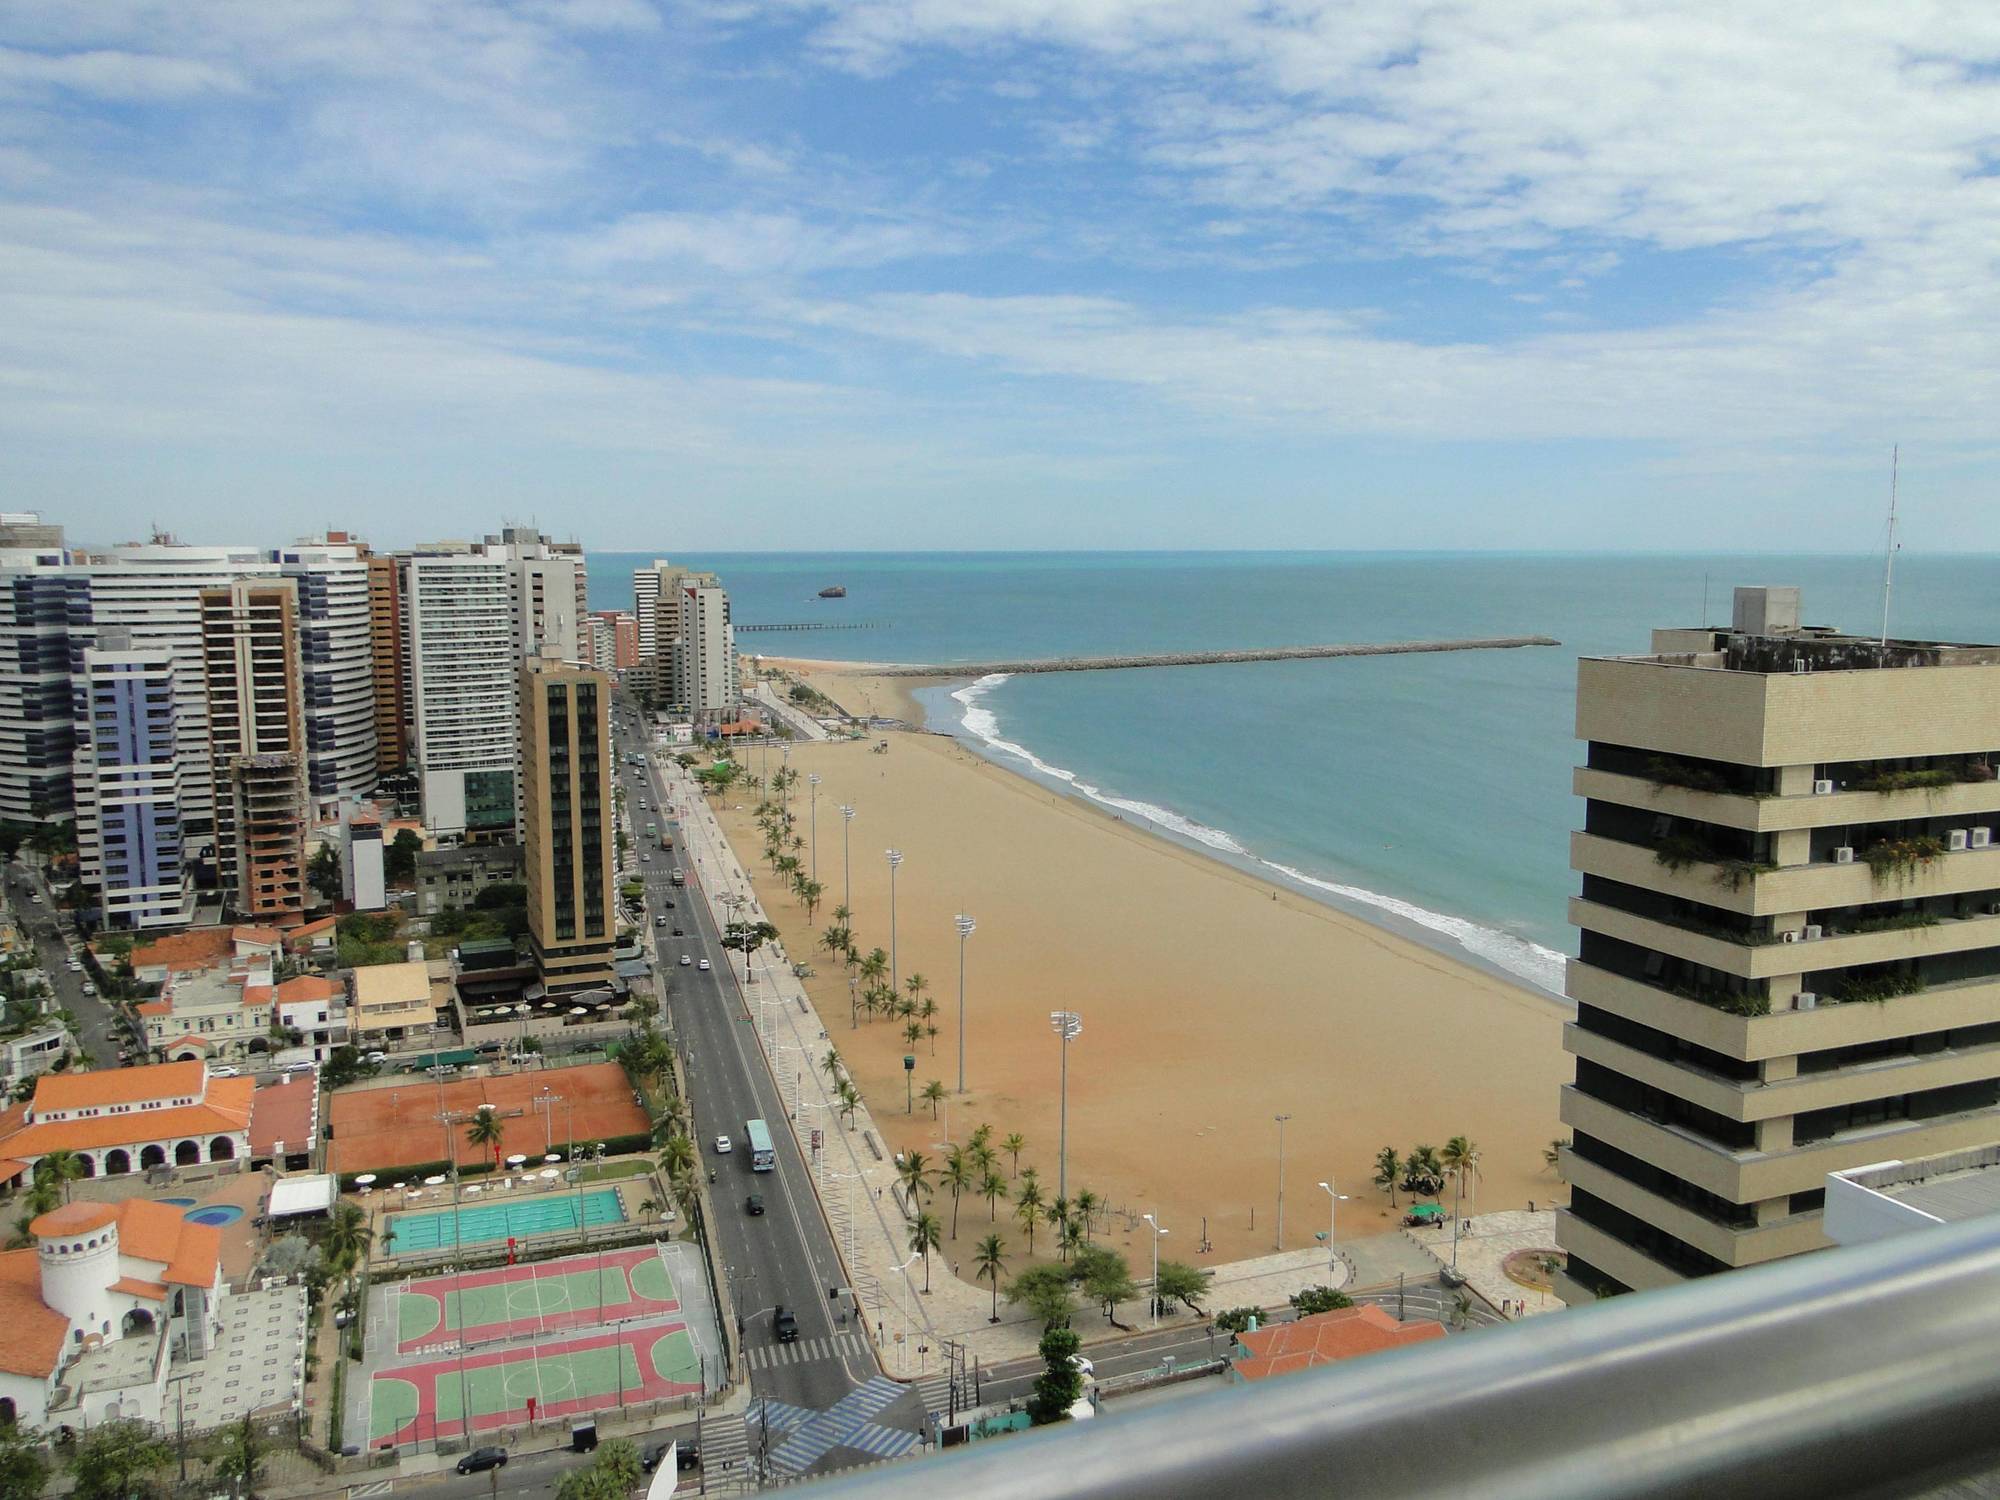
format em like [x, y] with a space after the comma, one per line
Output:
[704, 663]
[335, 657]
[463, 675]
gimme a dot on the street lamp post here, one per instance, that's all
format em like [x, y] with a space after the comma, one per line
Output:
[895, 858]
[812, 781]
[1281, 1178]
[846, 881]
[1157, 1233]
[965, 927]
[1334, 1200]
[1069, 1026]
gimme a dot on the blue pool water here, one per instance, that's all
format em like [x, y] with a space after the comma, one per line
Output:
[551, 1213]
[216, 1214]
[178, 1202]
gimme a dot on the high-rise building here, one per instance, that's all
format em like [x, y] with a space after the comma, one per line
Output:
[705, 685]
[463, 672]
[335, 647]
[257, 739]
[1790, 935]
[616, 632]
[25, 528]
[566, 824]
[387, 651]
[37, 731]
[647, 584]
[127, 771]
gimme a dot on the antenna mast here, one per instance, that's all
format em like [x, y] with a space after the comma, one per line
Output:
[1889, 553]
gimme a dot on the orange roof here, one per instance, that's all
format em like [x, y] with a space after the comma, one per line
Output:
[191, 1040]
[35, 1331]
[156, 1008]
[1325, 1337]
[152, 1291]
[307, 987]
[302, 935]
[283, 1111]
[74, 1218]
[198, 949]
[256, 994]
[60, 1091]
[157, 1232]
[268, 936]
[225, 1111]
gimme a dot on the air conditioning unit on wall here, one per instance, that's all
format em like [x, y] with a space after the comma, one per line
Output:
[1805, 1000]
[1822, 788]
[1956, 838]
[1844, 855]
[1788, 937]
[1982, 838]
[1813, 932]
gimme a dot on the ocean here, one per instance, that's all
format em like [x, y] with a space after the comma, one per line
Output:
[1429, 793]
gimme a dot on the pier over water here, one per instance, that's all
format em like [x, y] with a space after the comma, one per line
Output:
[1204, 658]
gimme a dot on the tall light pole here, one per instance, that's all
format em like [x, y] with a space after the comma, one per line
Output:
[1069, 1026]
[1157, 1232]
[895, 859]
[965, 927]
[1281, 1178]
[846, 881]
[812, 781]
[1334, 1200]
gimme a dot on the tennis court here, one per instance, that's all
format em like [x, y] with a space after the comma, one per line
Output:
[579, 1291]
[559, 1376]
[513, 1218]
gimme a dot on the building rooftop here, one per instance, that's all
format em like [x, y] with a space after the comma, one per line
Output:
[74, 1218]
[407, 983]
[35, 1331]
[1943, 1189]
[1323, 1338]
[1765, 637]
[285, 1114]
[55, 1092]
[196, 949]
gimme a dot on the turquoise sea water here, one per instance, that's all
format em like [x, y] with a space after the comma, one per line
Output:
[1428, 792]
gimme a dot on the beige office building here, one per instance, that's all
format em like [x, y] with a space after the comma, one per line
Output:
[567, 824]
[1790, 935]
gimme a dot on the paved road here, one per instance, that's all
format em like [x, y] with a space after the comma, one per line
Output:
[100, 1030]
[784, 1257]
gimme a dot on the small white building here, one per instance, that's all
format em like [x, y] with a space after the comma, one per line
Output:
[362, 880]
[211, 1013]
[34, 1052]
[314, 1010]
[1888, 1198]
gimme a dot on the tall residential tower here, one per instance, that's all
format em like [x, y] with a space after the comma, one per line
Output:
[566, 824]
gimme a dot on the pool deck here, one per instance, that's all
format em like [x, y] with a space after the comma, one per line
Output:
[243, 1189]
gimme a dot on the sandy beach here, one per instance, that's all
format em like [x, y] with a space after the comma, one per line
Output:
[1211, 1002]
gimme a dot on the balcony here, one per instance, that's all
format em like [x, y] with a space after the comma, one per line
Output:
[1748, 1246]
[1767, 955]
[1772, 814]
[1821, 886]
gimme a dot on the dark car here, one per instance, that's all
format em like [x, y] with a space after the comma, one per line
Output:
[686, 1457]
[784, 1323]
[479, 1460]
[754, 1205]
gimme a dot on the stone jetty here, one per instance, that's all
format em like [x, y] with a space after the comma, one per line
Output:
[1203, 658]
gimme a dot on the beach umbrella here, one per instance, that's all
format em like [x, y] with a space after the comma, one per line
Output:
[516, 1159]
[366, 1179]
[437, 1181]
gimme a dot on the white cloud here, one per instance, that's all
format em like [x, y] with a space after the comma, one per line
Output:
[756, 244]
[112, 74]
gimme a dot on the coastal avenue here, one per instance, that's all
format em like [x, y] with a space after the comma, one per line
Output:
[785, 1257]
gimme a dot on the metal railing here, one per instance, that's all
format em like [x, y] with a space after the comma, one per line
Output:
[1859, 1371]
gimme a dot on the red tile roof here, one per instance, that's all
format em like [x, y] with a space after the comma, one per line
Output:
[307, 987]
[35, 1331]
[268, 937]
[74, 1218]
[157, 1232]
[199, 949]
[60, 1091]
[1323, 1338]
[224, 1110]
[152, 1291]
[283, 1112]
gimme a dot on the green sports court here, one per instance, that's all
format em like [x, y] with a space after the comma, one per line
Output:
[578, 1291]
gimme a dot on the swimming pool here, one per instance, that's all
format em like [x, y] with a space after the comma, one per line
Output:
[215, 1215]
[550, 1213]
[176, 1202]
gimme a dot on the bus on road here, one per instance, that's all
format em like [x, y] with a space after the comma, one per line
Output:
[762, 1157]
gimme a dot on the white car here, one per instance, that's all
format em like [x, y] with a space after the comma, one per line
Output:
[722, 1147]
[703, 966]
[76, 966]
[224, 1072]
[90, 989]
[1082, 1366]
[685, 961]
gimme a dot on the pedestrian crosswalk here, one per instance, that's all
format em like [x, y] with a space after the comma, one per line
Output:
[935, 1391]
[848, 1423]
[804, 1352]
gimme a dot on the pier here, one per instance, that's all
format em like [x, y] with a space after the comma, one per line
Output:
[1207, 658]
[813, 625]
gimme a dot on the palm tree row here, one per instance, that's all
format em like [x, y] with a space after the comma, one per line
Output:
[1424, 1172]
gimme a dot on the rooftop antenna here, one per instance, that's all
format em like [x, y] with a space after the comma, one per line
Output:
[1889, 552]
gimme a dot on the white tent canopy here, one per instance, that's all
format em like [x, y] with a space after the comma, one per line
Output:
[304, 1194]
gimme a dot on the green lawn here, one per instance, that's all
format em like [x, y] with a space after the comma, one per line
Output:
[604, 1171]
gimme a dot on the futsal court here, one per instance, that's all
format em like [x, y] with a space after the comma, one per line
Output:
[579, 1291]
[506, 1386]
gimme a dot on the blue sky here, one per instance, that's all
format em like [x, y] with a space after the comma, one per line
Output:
[1003, 273]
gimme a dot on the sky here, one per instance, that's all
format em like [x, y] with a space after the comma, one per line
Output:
[735, 275]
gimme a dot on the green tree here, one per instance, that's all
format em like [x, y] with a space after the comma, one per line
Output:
[992, 1187]
[1182, 1283]
[957, 1175]
[59, 1169]
[343, 1066]
[323, 873]
[850, 1100]
[1388, 1171]
[1423, 1173]
[1028, 1209]
[487, 1129]
[1088, 1206]
[926, 1235]
[933, 1095]
[612, 1475]
[1014, 1145]
[399, 860]
[989, 1259]
[913, 1033]
[24, 1467]
[1059, 1385]
[238, 1457]
[913, 1170]
[1046, 1291]
[1237, 1319]
[347, 1236]
[1319, 1299]
[677, 1156]
[1461, 1158]
[1106, 1279]
[117, 1460]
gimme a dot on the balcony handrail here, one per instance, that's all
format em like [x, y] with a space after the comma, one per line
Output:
[1863, 1370]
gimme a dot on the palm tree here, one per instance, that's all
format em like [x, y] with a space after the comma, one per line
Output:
[991, 1258]
[992, 1187]
[978, 1139]
[1423, 1173]
[850, 1100]
[1028, 1209]
[1072, 1238]
[487, 1129]
[912, 1032]
[677, 1156]
[648, 1207]
[809, 893]
[926, 1235]
[1552, 1155]
[957, 1176]
[1057, 1214]
[831, 1062]
[933, 1096]
[1087, 1204]
[348, 1236]
[1014, 1145]
[843, 916]
[874, 966]
[1388, 1171]
[913, 1170]
[59, 1169]
[1460, 1157]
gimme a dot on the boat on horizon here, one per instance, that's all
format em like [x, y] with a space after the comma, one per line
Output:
[834, 592]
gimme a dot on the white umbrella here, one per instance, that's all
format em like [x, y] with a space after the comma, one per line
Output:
[553, 1156]
[551, 1174]
[366, 1179]
[516, 1159]
[434, 1181]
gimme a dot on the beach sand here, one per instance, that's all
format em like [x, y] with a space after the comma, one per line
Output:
[1211, 1002]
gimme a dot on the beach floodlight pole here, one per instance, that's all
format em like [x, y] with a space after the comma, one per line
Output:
[1069, 1026]
[846, 880]
[812, 781]
[895, 859]
[965, 927]
[1281, 1178]
[1334, 1200]
[1157, 1232]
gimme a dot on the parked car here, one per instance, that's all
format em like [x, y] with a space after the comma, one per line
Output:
[75, 966]
[479, 1460]
[217, 1072]
[754, 1205]
[89, 988]
[378, 1057]
[785, 1324]
[1082, 1366]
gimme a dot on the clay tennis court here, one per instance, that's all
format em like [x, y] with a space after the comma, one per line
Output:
[561, 1376]
[580, 1291]
[396, 1125]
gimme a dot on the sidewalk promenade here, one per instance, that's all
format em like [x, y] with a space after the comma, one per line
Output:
[856, 1178]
